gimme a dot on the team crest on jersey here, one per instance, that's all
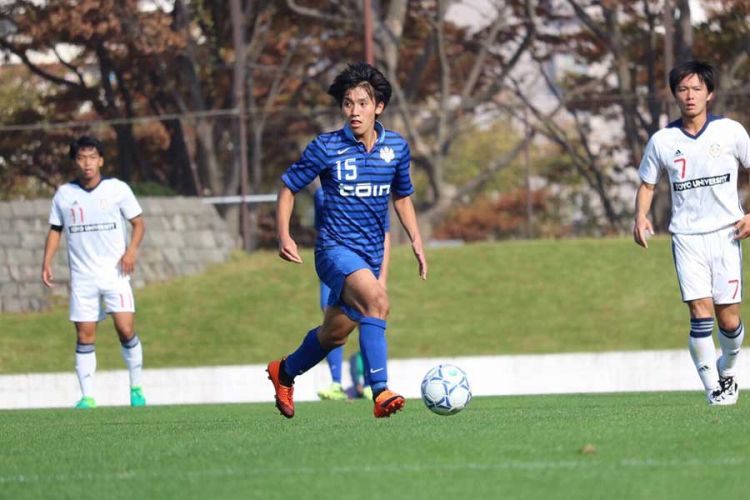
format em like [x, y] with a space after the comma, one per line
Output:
[714, 150]
[387, 154]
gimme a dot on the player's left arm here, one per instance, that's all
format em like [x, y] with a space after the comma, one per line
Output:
[127, 262]
[383, 278]
[408, 218]
[742, 226]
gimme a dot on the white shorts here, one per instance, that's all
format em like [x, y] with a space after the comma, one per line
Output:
[709, 266]
[86, 297]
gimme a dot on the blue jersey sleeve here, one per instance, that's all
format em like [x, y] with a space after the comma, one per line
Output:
[319, 201]
[307, 168]
[401, 185]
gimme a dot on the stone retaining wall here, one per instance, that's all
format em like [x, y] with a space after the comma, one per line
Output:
[183, 235]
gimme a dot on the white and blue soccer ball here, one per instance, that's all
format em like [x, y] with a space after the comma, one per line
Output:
[446, 389]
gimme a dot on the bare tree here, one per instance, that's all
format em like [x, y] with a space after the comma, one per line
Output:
[448, 109]
[110, 95]
[496, 53]
[624, 40]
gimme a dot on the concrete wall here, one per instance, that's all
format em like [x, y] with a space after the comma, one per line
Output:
[183, 235]
[633, 371]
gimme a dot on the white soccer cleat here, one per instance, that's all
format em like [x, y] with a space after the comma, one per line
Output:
[726, 394]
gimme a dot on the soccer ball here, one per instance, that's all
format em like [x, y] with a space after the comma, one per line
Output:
[446, 390]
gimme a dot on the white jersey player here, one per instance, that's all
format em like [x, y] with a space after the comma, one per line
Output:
[92, 211]
[701, 155]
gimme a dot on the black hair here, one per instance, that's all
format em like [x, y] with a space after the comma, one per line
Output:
[361, 73]
[84, 142]
[704, 71]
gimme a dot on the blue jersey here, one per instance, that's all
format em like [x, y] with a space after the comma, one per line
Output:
[320, 201]
[356, 187]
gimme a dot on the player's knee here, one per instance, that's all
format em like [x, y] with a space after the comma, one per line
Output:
[379, 306]
[85, 334]
[125, 334]
[85, 337]
[729, 324]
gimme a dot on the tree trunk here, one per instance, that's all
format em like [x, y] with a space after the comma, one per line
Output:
[182, 169]
[684, 32]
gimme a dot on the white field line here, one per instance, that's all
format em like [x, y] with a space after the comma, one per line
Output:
[334, 470]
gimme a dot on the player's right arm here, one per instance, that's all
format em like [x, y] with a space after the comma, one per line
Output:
[50, 248]
[284, 207]
[648, 171]
[642, 227]
[296, 178]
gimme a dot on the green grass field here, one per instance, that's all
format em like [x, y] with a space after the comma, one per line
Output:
[510, 297]
[502, 298]
[541, 447]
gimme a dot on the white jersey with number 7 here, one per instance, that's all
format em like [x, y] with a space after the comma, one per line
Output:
[702, 172]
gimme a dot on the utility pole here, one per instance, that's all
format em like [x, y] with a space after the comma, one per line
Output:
[238, 37]
[668, 20]
[369, 50]
[527, 175]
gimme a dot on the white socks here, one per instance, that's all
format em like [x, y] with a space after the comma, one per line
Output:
[703, 352]
[132, 353]
[86, 368]
[730, 343]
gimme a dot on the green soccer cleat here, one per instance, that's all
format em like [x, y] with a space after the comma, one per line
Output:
[136, 397]
[86, 403]
[335, 393]
[367, 392]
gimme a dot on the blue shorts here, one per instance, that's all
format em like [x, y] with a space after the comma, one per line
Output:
[324, 293]
[333, 265]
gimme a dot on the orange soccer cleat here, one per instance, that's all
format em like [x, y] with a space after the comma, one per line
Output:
[388, 403]
[284, 393]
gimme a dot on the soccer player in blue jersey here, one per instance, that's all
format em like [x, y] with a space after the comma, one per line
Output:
[360, 167]
[335, 357]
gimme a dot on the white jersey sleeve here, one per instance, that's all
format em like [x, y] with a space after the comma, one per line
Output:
[55, 212]
[129, 205]
[742, 151]
[650, 168]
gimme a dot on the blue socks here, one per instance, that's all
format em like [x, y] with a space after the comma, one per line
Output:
[365, 371]
[374, 355]
[335, 360]
[374, 349]
[307, 355]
